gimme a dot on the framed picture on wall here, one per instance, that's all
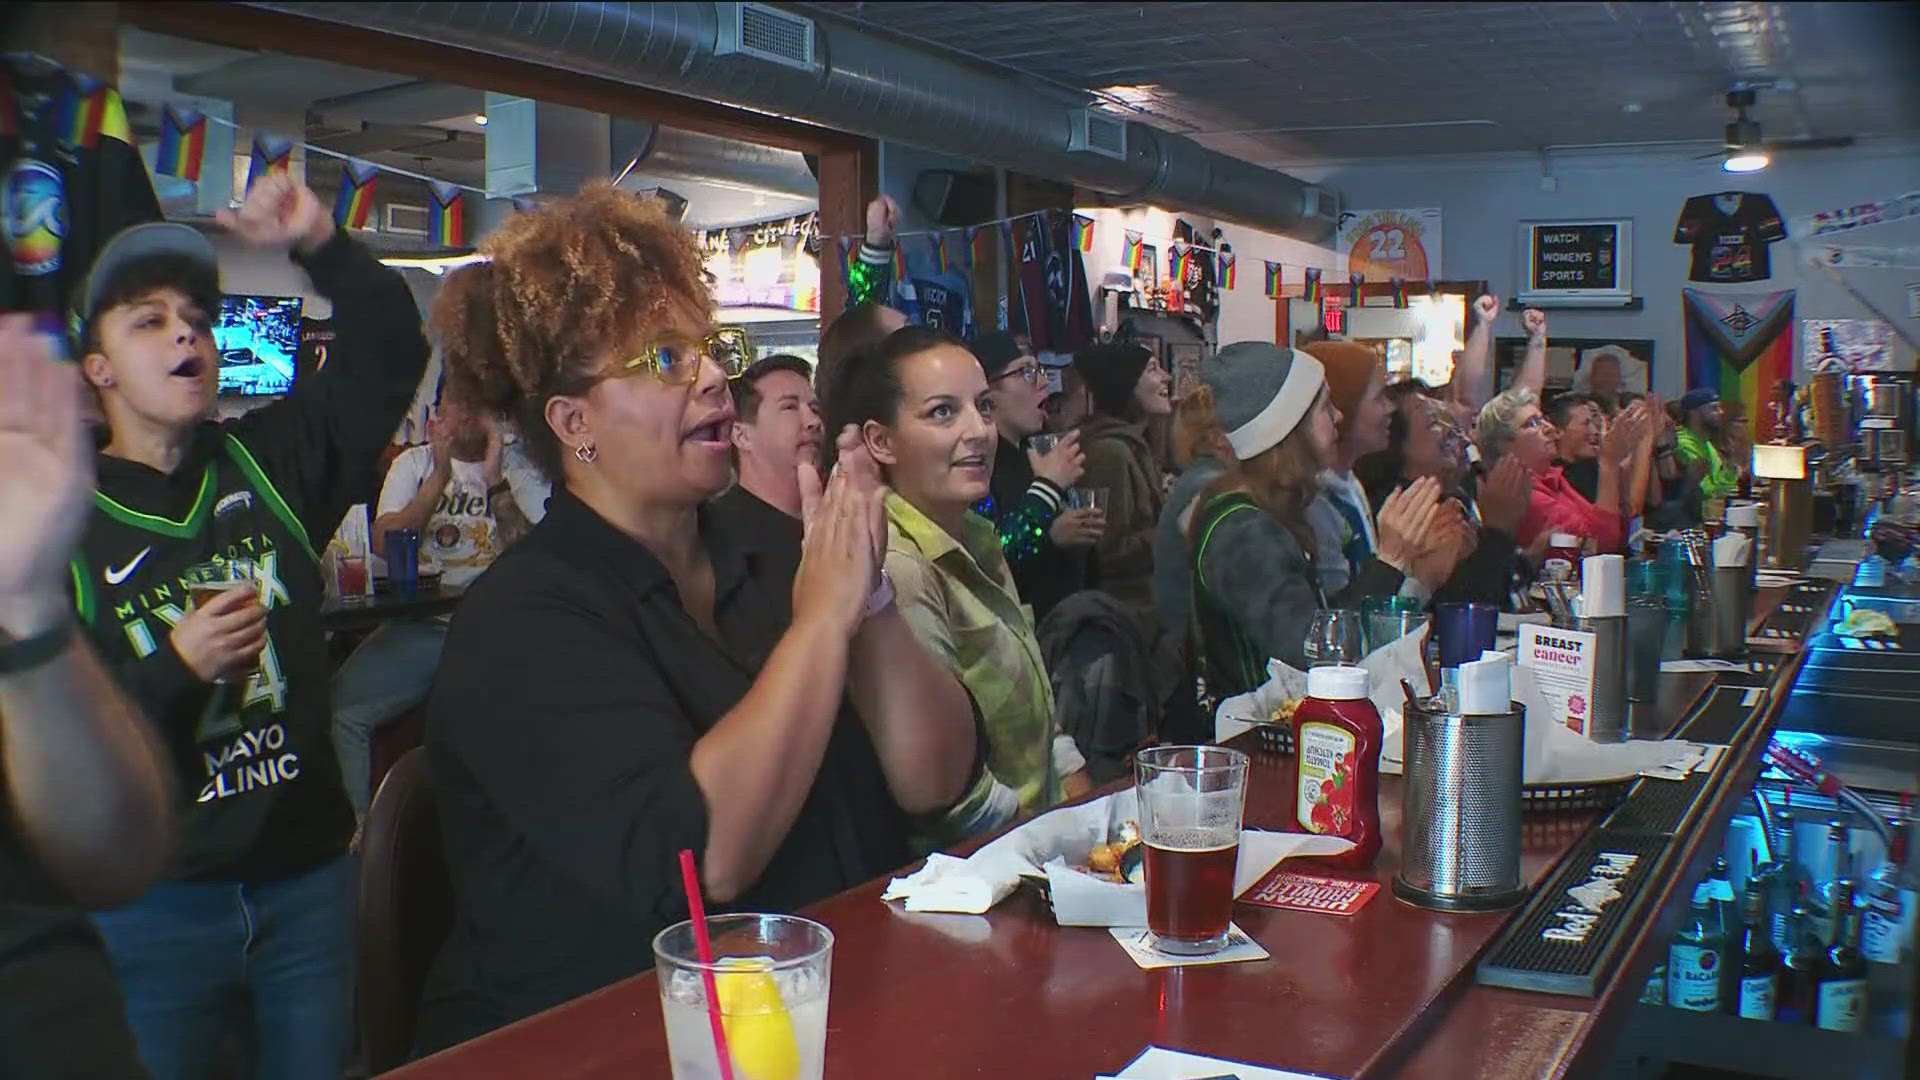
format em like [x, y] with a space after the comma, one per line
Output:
[1569, 360]
[1582, 263]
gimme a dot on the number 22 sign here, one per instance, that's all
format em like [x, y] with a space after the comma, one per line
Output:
[1385, 244]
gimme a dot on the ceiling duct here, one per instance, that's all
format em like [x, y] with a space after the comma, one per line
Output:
[690, 155]
[860, 83]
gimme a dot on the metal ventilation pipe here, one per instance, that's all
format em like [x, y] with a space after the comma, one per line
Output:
[859, 83]
[691, 155]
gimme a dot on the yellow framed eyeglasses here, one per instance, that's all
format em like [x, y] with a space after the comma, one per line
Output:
[675, 358]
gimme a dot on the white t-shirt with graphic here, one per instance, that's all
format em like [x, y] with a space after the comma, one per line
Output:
[461, 534]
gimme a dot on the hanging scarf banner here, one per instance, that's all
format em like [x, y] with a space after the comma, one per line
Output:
[1864, 215]
[1883, 258]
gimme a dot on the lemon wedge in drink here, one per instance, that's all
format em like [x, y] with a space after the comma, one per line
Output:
[759, 1031]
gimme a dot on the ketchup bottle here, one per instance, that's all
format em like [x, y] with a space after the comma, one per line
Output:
[1562, 561]
[1333, 782]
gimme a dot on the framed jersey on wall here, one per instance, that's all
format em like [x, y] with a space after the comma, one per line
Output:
[1729, 232]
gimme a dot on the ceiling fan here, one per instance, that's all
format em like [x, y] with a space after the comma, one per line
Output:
[1744, 150]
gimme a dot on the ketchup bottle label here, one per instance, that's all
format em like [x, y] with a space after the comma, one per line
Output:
[1325, 795]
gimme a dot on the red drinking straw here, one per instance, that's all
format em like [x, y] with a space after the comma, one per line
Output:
[691, 878]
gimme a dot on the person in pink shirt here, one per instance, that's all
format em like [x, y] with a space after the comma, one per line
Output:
[1512, 423]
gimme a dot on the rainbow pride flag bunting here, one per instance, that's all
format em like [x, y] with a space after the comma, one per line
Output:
[271, 154]
[899, 260]
[447, 221]
[183, 143]
[1083, 233]
[1354, 281]
[966, 247]
[1398, 286]
[940, 262]
[354, 201]
[1273, 279]
[1135, 252]
[1311, 293]
[1226, 270]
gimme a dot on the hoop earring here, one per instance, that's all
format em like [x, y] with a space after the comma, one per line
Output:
[586, 453]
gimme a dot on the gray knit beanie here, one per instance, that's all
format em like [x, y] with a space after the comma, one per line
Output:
[1261, 392]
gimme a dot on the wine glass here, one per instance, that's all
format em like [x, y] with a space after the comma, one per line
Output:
[1333, 638]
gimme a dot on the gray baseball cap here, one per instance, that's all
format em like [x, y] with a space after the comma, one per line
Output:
[130, 245]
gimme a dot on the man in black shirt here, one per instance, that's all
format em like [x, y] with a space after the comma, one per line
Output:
[776, 426]
[259, 890]
[84, 792]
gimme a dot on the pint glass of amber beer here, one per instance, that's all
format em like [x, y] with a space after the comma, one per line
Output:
[1192, 799]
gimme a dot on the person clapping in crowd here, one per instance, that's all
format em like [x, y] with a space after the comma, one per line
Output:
[921, 404]
[1255, 584]
[1512, 424]
[636, 677]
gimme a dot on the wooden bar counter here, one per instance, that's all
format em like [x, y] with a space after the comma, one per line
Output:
[1389, 991]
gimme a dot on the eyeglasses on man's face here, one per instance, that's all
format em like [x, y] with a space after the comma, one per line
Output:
[675, 358]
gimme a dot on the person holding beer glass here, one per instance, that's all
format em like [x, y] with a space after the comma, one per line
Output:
[258, 896]
[924, 411]
[635, 678]
[1255, 590]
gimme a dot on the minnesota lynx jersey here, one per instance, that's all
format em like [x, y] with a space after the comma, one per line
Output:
[255, 759]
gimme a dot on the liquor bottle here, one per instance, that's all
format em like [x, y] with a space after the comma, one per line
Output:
[1726, 914]
[1799, 967]
[1696, 955]
[1759, 962]
[1840, 987]
[1887, 918]
[1839, 882]
[1785, 879]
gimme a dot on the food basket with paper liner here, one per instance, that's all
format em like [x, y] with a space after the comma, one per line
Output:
[1058, 852]
[1563, 770]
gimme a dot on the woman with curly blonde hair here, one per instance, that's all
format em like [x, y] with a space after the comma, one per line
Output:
[637, 677]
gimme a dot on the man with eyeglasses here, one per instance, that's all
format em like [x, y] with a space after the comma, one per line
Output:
[1046, 547]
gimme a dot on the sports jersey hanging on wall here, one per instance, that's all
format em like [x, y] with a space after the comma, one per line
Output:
[1742, 346]
[1729, 233]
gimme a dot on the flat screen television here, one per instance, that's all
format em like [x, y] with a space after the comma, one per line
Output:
[259, 340]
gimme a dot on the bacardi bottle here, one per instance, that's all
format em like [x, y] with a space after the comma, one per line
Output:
[1694, 959]
[1887, 916]
[1839, 883]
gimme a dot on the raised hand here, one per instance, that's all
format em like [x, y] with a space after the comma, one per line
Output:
[883, 220]
[1486, 308]
[1505, 495]
[1535, 322]
[1063, 464]
[280, 212]
[1450, 539]
[46, 483]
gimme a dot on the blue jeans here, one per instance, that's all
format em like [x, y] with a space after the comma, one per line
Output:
[388, 674]
[186, 950]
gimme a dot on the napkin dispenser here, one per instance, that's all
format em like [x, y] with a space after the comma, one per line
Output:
[1460, 823]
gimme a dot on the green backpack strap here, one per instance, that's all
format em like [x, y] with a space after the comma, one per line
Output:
[1217, 510]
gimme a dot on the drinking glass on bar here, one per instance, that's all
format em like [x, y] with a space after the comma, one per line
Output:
[1192, 800]
[771, 976]
[1333, 638]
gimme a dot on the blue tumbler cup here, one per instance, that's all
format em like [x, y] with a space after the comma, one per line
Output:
[1464, 631]
[403, 561]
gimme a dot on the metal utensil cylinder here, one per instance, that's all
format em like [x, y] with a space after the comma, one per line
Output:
[1731, 603]
[1460, 823]
[1607, 715]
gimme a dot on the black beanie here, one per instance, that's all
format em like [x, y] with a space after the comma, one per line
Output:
[1111, 371]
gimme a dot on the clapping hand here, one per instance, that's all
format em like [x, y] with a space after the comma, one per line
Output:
[46, 483]
[845, 541]
[1623, 436]
[1404, 520]
[1505, 495]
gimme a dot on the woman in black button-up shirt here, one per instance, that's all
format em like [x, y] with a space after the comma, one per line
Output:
[635, 677]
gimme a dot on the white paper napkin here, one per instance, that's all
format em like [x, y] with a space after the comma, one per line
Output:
[1047, 845]
[1403, 658]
